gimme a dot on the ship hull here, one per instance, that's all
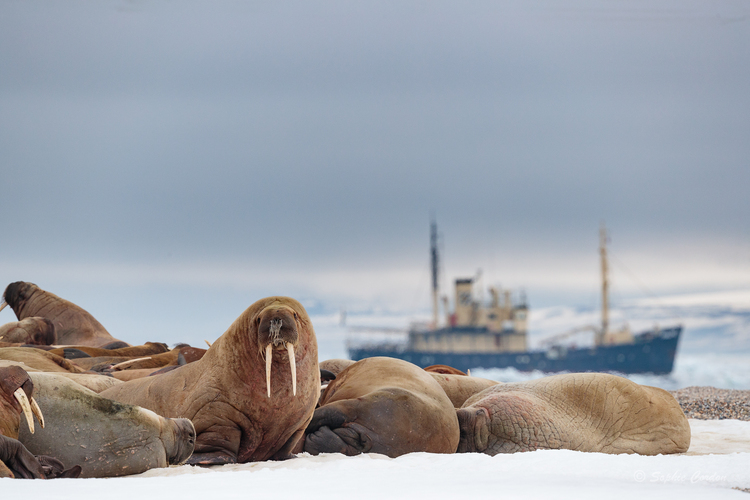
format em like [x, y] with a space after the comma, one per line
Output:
[651, 353]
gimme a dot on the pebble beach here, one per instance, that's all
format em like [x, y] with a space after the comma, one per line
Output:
[710, 403]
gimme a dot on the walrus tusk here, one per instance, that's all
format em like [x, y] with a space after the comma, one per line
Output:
[2, 305]
[293, 365]
[120, 366]
[269, 355]
[24, 401]
[37, 411]
[207, 342]
[468, 372]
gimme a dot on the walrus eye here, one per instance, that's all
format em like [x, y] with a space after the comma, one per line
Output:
[295, 316]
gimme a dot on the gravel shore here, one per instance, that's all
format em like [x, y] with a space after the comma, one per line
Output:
[710, 403]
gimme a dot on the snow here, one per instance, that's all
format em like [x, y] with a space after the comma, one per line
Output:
[718, 460]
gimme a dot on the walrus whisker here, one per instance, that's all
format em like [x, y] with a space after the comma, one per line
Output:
[269, 356]
[37, 412]
[275, 330]
[24, 402]
[293, 365]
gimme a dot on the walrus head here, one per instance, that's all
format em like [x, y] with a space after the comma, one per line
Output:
[16, 294]
[16, 389]
[278, 330]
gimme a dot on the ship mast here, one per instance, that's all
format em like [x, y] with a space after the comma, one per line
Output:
[605, 285]
[434, 263]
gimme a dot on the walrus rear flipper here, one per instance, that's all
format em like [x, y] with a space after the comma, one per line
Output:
[54, 469]
[331, 431]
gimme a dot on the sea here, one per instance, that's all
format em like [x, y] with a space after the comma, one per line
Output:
[714, 349]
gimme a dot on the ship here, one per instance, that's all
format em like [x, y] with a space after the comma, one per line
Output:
[495, 335]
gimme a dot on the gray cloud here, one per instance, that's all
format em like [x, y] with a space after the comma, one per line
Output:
[319, 136]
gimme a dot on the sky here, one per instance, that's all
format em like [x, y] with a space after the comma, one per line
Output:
[163, 158]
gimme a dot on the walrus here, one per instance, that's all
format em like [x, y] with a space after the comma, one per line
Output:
[33, 330]
[74, 351]
[459, 388]
[445, 369]
[73, 325]
[16, 398]
[251, 395]
[93, 381]
[39, 359]
[335, 366]
[104, 437]
[383, 405]
[593, 412]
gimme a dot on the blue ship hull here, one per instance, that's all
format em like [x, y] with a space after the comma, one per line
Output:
[652, 352]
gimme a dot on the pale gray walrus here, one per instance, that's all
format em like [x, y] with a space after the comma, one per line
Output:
[16, 398]
[383, 405]
[253, 392]
[594, 412]
[105, 438]
[73, 325]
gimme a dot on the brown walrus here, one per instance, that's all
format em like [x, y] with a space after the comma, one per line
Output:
[445, 369]
[335, 366]
[39, 359]
[146, 349]
[73, 325]
[16, 391]
[594, 412]
[32, 330]
[383, 405]
[253, 392]
[459, 388]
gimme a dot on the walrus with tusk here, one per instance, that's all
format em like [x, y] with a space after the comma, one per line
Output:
[16, 389]
[252, 393]
[73, 324]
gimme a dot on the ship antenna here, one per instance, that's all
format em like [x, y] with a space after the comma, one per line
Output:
[434, 263]
[605, 284]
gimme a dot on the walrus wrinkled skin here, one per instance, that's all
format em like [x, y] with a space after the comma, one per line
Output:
[459, 388]
[226, 392]
[73, 325]
[33, 330]
[104, 437]
[383, 405]
[593, 412]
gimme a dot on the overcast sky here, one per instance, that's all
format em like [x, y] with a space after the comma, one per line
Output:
[242, 149]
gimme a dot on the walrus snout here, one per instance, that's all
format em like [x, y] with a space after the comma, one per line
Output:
[184, 441]
[277, 329]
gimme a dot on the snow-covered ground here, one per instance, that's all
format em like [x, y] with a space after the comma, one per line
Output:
[718, 460]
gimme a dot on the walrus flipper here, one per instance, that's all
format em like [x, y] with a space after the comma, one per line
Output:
[19, 460]
[212, 446]
[333, 431]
